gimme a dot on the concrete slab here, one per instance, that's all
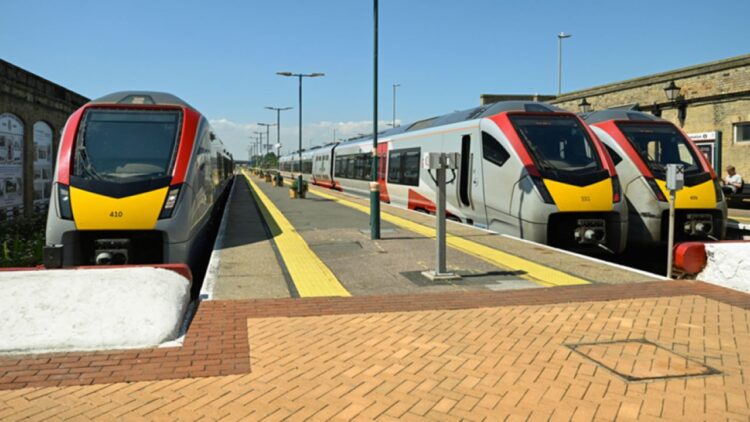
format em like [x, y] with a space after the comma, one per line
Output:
[248, 267]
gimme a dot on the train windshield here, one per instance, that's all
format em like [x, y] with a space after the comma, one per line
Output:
[659, 145]
[123, 146]
[559, 145]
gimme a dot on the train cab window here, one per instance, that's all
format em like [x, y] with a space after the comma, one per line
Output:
[612, 154]
[122, 146]
[403, 166]
[492, 151]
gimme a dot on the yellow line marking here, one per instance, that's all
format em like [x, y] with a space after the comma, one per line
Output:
[310, 275]
[537, 273]
[739, 218]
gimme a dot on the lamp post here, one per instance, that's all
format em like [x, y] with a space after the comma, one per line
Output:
[278, 126]
[268, 135]
[300, 76]
[374, 186]
[394, 104]
[560, 37]
[260, 145]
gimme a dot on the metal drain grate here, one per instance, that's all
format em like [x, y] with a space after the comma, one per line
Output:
[640, 360]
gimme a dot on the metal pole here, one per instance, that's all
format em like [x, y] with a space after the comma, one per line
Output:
[559, 65]
[278, 134]
[299, 177]
[441, 218]
[394, 104]
[670, 239]
[374, 186]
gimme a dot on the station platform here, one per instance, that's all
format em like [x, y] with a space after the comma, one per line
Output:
[308, 319]
[323, 248]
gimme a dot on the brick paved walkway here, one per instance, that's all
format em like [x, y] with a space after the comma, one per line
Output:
[474, 356]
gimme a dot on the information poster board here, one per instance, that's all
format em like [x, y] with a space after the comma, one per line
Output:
[11, 163]
[709, 143]
[42, 165]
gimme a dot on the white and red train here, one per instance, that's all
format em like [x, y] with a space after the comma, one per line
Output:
[527, 169]
[641, 145]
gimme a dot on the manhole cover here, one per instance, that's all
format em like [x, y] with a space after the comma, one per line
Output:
[638, 360]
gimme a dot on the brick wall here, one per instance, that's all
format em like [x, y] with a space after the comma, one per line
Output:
[31, 99]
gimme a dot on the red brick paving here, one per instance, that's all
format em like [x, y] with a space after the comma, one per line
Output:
[217, 341]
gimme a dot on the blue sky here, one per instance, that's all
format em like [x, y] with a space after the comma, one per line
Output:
[222, 56]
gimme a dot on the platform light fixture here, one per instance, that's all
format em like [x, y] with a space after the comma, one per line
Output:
[672, 91]
[673, 95]
[584, 106]
[300, 76]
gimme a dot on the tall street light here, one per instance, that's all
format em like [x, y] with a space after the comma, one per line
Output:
[561, 36]
[278, 126]
[374, 186]
[260, 144]
[394, 103]
[268, 135]
[300, 76]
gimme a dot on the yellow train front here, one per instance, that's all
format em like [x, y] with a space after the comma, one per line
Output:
[140, 176]
[642, 145]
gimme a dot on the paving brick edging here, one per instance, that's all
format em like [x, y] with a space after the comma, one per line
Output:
[217, 343]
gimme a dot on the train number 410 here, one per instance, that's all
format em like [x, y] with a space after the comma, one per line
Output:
[115, 214]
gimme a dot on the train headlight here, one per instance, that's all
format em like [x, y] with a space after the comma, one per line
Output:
[170, 202]
[63, 199]
[616, 190]
[655, 188]
[542, 189]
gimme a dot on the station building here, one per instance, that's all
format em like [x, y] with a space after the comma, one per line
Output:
[33, 112]
[711, 103]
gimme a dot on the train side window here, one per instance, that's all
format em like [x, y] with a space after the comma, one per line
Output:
[403, 166]
[612, 154]
[394, 167]
[411, 167]
[493, 151]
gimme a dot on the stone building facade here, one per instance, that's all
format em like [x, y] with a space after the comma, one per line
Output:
[33, 112]
[713, 106]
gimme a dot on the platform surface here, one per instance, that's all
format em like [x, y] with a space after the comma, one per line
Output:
[390, 346]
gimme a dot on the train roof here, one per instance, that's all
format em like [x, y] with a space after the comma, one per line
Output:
[466, 115]
[141, 97]
[619, 114]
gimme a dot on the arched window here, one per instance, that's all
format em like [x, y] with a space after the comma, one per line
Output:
[42, 165]
[11, 164]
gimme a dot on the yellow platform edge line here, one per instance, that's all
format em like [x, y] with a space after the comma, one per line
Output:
[537, 273]
[739, 218]
[310, 275]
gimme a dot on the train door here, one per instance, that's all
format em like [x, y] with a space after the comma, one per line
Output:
[500, 175]
[468, 196]
[382, 170]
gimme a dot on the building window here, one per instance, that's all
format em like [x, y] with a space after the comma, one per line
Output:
[742, 132]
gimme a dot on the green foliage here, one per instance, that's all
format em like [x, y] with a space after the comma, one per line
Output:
[21, 241]
[294, 185]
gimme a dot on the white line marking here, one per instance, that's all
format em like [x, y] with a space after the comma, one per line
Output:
[212, 271]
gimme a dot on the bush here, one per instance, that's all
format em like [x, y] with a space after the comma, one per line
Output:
[21, 241]
[294, 185]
